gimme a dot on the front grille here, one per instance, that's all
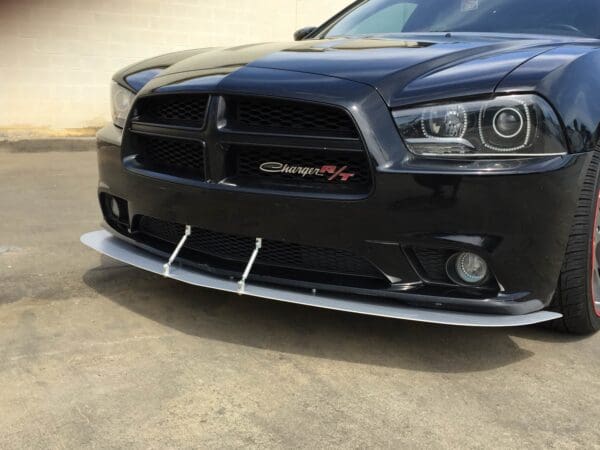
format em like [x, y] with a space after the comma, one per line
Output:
[177, 157]
[294, 257]
[170, 135]
[280, 116]
[250, 158]
[177, 110]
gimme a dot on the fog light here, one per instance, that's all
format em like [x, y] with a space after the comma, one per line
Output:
[470, 268]
[114, 208]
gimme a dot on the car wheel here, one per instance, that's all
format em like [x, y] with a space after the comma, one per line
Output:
[578, 294]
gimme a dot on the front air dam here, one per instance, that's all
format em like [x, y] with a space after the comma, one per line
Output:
[107, 244]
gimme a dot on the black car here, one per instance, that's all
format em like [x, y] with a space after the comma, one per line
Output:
[430, 160]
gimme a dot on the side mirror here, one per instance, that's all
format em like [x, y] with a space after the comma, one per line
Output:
[303, 32]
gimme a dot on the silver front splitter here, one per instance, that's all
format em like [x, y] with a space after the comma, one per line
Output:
[115, 248]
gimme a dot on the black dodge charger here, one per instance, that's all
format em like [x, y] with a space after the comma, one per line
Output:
[429, 160]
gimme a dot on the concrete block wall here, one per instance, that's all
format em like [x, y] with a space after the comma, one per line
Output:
[57, 56]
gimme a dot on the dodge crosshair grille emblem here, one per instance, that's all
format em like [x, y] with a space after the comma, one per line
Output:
[332, 173]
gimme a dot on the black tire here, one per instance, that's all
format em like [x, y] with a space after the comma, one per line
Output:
[575, 298]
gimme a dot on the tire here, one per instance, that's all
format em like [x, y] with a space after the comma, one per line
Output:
[578, 288]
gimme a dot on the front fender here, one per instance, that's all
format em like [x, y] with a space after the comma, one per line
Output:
[568, 78]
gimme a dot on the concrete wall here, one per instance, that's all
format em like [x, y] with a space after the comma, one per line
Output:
[57, 56]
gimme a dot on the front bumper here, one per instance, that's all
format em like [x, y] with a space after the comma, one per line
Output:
[518, 220]
[517, 214]
[105, 243]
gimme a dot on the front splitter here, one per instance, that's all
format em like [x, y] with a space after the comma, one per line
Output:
[107, 244]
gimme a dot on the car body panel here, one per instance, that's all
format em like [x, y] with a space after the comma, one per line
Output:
[162, 62]
[566, 76]
[386, 63]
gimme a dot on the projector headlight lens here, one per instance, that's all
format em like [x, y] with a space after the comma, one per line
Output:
[506, 126]
[508, 123]
[122, 101]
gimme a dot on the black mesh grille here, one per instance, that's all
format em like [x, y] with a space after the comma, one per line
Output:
[250, 158]
[273, 253]
[433, 263]
[172, 156]
[291, 117]
[183, 110]
[163, 141]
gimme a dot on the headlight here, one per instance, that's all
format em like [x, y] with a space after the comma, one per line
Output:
[507, 126]
[122, 101]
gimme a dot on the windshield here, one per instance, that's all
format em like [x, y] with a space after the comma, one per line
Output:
[561, 17]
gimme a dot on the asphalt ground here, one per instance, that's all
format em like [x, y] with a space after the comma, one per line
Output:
[94, 354]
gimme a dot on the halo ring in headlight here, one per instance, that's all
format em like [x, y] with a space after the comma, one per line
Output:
[506, 147]
[508, 111]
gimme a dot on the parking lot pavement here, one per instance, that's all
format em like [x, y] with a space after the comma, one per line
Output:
[93, 353]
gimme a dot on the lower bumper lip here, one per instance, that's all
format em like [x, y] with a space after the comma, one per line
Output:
[105, 243]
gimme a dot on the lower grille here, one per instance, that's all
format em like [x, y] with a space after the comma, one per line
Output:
[433, 263]
[177, 157]
[294, 257]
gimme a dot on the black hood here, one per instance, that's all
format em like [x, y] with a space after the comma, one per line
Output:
[404, 69]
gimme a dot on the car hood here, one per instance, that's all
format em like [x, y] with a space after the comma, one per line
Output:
[404, 69]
